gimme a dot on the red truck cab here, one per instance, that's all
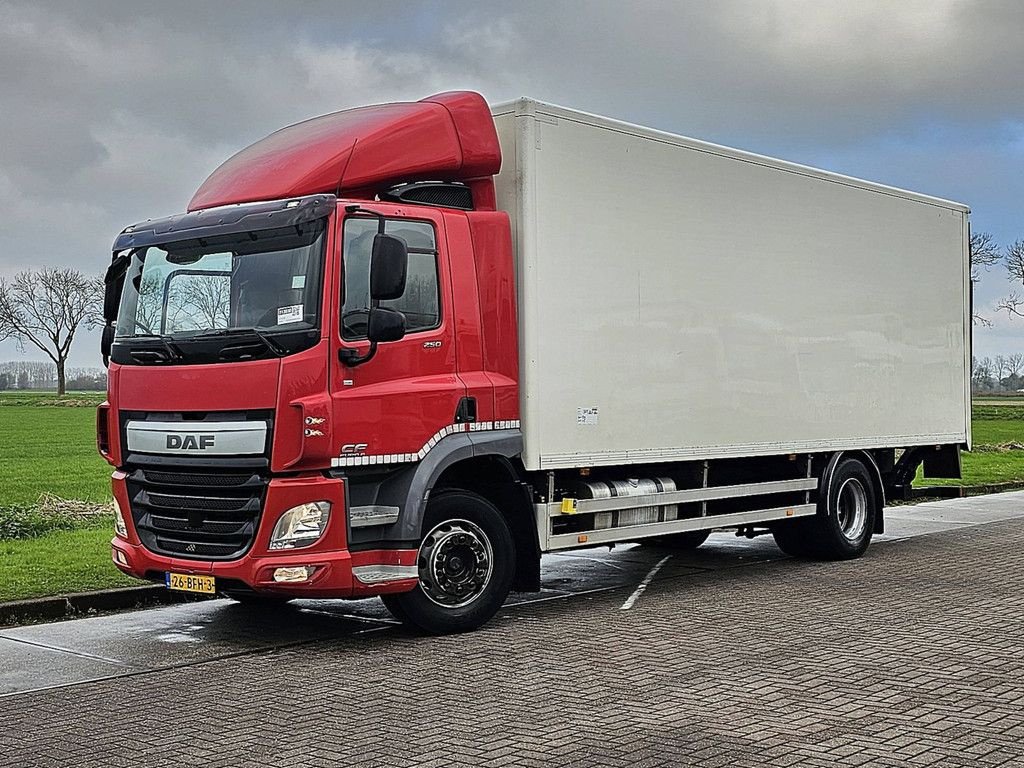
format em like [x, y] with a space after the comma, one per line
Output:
[264, 446]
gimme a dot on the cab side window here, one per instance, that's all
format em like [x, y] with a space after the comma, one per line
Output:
[421, 302]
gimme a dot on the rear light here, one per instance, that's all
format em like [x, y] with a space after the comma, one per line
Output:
[103, 429]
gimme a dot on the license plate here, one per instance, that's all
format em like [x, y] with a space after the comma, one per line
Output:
[187, 582]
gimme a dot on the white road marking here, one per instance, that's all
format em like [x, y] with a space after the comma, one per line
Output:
[643, 584]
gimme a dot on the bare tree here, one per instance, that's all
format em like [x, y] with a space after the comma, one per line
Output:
[209, 297]
[999, 369]
[35, 373]
[1014, 260]
[982, 377]
[149, 305]
[984, 254]
[45, 308]
[193, 302]
[1015, 363]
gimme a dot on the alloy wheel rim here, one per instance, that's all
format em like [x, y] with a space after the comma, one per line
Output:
[455, 563]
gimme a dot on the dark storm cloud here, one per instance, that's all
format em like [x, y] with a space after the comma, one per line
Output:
[111, 112]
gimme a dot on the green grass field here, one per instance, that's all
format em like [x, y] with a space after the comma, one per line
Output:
[49, 450]
[60, 563]
[48, 445]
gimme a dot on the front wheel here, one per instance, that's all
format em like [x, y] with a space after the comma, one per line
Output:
[466, 563]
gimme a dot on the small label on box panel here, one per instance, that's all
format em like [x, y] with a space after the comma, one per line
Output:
[587, 416]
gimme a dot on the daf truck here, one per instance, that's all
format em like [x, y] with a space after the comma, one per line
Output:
[404, 350]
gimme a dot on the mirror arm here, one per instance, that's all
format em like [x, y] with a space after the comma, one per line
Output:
[352, 358]
[350, 209]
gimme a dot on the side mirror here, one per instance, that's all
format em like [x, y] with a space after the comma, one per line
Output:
[385, 325]
[389, 262]
[106, 343]
[113, 283]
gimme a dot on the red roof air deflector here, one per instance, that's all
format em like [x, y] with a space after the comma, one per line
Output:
[447, 137]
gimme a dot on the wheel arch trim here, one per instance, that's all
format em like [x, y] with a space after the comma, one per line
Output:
[868, 460]
[410, 490]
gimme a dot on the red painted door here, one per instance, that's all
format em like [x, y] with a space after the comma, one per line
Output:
[387, 410]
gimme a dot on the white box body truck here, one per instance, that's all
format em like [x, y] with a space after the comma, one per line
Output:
[680, 300]
[470, 335]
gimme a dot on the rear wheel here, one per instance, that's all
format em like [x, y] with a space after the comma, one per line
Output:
[466, 564]
[845, 521]
[792, 538]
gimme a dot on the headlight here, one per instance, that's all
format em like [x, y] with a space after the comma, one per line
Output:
[301, 526]
[119, 527]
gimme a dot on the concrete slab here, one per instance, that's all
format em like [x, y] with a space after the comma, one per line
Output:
[907, 528]
[189, 633]
[949, 514]
[26, 667]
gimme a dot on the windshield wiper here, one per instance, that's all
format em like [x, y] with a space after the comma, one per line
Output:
[173, 353]
[272, 345]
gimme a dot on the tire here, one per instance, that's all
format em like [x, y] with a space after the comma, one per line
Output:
[845, 522]
[792, 537]
[682, 541]
[466, 565]
[256, 600]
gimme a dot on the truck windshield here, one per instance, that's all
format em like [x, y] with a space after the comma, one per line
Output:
[267, 283]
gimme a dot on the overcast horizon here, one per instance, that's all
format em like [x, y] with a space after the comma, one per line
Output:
[111, 113]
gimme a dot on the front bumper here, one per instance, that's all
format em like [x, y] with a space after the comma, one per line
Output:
[338, 572]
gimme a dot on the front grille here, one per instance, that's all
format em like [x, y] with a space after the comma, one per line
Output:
[205, 480]
[196, 515]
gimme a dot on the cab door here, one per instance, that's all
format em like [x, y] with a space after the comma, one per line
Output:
[388, 409]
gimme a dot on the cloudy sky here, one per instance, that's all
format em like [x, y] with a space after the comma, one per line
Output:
[113, 112]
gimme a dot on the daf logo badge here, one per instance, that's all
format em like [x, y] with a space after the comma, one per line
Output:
[190, 442]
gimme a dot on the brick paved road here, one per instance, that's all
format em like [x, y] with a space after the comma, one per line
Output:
[911, 656]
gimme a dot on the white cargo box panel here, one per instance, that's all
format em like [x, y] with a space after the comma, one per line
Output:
[681, 300]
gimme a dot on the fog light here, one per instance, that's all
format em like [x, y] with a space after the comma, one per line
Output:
[301, 526]
[294, 574]
[119, 527]
[119, 558]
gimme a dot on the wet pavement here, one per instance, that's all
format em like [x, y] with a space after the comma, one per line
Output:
[64, 653]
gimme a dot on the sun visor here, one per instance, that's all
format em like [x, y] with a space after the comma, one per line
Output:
[207, 223]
